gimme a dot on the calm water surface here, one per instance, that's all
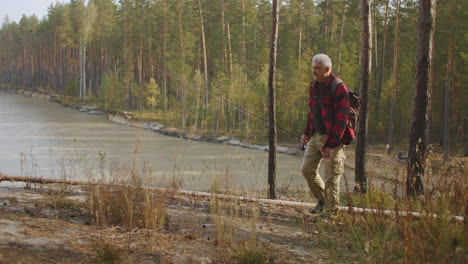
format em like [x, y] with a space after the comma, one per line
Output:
[44, 139]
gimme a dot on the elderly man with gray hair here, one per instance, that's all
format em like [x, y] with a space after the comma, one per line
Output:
[328, 115]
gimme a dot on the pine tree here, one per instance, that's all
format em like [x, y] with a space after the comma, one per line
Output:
[418, 142]
[366, 66]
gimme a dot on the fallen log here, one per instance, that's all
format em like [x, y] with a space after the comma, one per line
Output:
[38, 180]
[234, 197]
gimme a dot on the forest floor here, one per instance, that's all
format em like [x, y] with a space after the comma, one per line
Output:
[39, 226]
[56, 223]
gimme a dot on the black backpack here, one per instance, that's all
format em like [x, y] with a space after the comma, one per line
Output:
[354, 106]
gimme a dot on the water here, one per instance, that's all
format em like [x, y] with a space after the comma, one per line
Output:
[44, 139]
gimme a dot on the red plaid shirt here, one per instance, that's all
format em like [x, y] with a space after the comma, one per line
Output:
[335, 110]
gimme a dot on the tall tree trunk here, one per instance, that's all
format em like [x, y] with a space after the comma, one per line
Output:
[244, 68]
[366, 66]
[429, 107]
[81, 69]
[140, 76]
[197, 113]
[228, 109]
[54, 68]
[182, 62]
[164, 58]
[394, 79]
[23, 59]
[375, 46]
[418, 142]
[229, 47]
[125, 58]
[272, 135]
[299, 48]
[225, 56]
[382, 61]
[244, 49]
[447, 91]
[84, 72]
[205, 63]
[325, 18]
[341, 37]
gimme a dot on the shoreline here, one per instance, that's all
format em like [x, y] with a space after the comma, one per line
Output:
[124, 118]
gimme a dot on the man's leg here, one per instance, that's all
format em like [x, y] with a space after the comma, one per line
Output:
[309, 167]
[334, 169]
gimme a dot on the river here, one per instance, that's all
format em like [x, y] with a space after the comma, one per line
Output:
[43, 139]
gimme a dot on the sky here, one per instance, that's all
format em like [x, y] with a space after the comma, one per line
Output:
[16, 8]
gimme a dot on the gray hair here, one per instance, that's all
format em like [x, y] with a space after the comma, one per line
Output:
[324, 59]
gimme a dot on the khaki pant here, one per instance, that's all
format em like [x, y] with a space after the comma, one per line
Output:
[328, 191]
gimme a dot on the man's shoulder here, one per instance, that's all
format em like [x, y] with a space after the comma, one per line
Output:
[337, 81]
[338, 85]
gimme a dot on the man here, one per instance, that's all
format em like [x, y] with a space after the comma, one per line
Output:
[328, 114]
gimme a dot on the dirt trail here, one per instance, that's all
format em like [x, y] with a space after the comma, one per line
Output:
[37, 227]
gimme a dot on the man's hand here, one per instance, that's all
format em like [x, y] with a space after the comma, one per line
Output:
[327, 152]
[304, 139]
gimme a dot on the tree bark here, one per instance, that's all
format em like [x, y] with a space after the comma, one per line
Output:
[376, 46]
[299, 48]
[418, 145]
[229, 47]
[447, 91]
[366, 65]
[325, 18]
[182, 52]
[164, 58]
[244, 67]
[140, 76]
[341, 37]
[228, 109]
[205, 63]
[225, 56]
[272, 135]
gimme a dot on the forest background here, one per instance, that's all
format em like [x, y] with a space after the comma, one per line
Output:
[182, 61]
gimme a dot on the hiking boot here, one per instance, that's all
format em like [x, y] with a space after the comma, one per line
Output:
[318, 208]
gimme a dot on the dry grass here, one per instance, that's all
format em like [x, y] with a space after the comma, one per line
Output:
[122, 201]
[380, 238]
[108, 253]
[127, 206]
[248, 253]
[228, 216]
[352, 238]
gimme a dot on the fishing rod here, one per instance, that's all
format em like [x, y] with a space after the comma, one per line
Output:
[244, 110]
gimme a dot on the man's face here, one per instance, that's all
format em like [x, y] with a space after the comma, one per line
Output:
[320, 73]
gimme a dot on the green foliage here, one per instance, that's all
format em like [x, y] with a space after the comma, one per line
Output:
[71, 89]
[131, 40]
[111, 92]
[153, 94]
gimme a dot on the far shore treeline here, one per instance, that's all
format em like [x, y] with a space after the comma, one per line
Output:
[180, 61]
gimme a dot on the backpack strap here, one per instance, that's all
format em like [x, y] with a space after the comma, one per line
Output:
[335, 83]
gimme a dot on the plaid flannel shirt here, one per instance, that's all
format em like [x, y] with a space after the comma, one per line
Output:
[335, 110]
